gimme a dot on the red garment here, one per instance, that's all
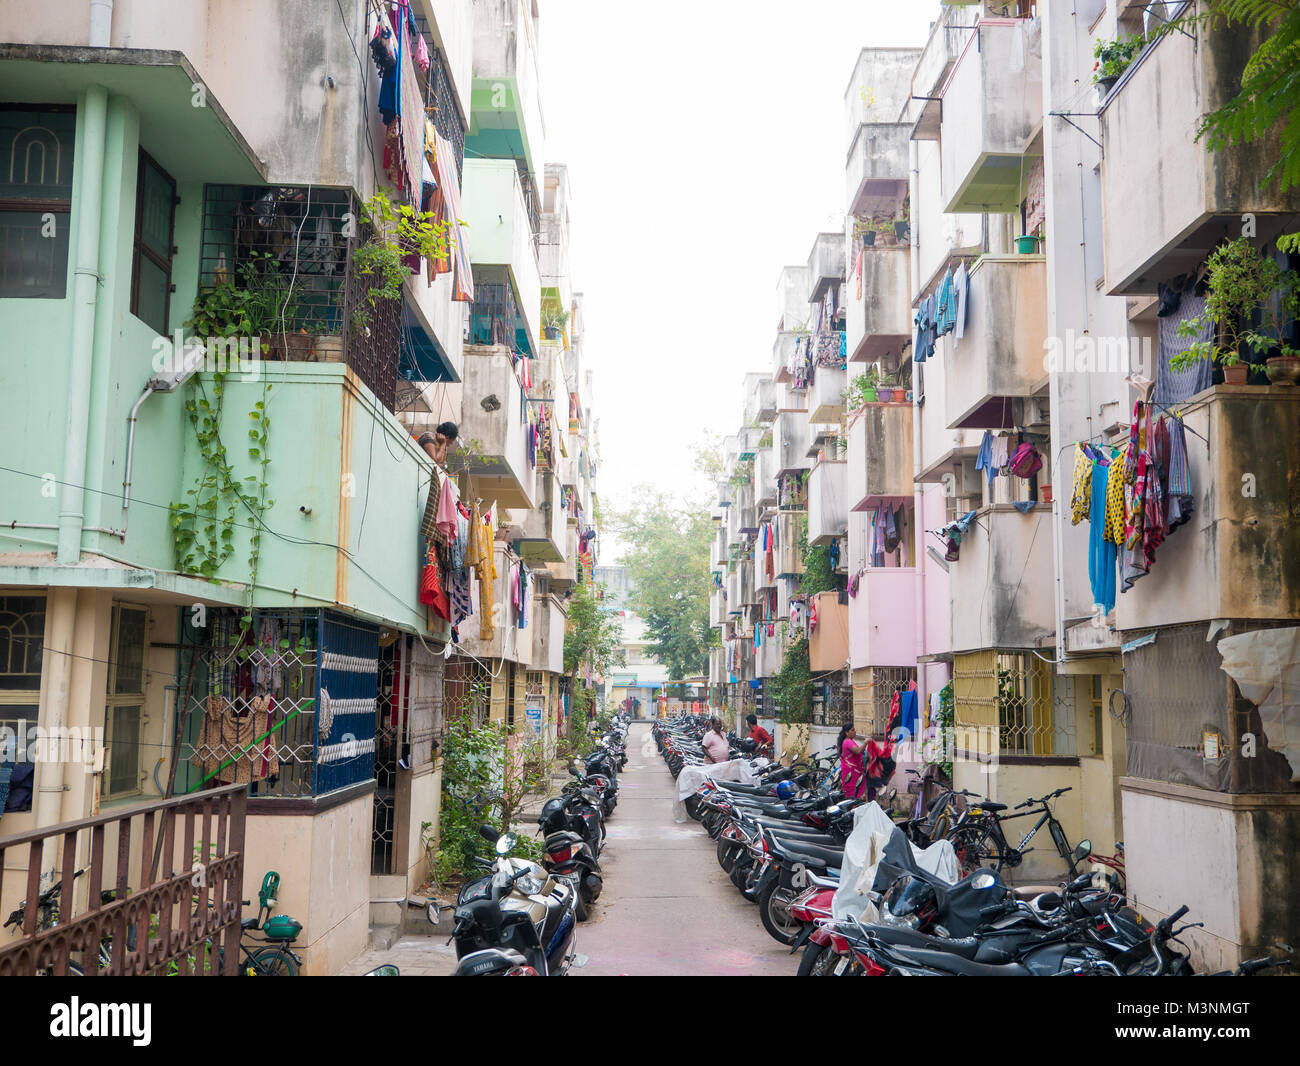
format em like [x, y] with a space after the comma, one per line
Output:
[760, 736]
[432, 593]
[874, 755]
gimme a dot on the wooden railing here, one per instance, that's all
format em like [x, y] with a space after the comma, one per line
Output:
[180, 915]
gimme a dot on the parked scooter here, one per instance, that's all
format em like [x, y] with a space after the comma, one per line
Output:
[568, 856]
[518, 923]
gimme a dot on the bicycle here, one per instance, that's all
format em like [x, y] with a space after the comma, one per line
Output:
[47, 917]
[979, 840]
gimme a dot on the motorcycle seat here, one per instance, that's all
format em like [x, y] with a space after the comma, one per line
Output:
[903, 937]
[988, 805]
[798, 851]
[949, 963]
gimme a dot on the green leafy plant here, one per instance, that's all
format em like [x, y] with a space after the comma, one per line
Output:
[792, 685]
[554, 319]
[396, 232]
[1240, 282]
[1113, 57]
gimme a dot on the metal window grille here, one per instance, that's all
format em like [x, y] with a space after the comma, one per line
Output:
[1012, 695]
[293, 247]
[443, 107]
[832, 704]
[288, 707]
[389, 737]
[468, 691]
[885, 681]
[495, 317]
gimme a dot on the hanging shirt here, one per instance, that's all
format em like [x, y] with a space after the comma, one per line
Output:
[959, 289]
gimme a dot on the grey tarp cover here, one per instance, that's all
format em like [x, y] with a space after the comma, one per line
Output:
[692, 777]
[1266, 666]
[874, 838]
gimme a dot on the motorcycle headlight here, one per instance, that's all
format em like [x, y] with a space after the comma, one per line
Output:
[529, 886]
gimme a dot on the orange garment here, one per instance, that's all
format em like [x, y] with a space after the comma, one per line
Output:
[479, 553]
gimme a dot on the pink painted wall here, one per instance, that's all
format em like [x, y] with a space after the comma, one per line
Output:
[882, 618]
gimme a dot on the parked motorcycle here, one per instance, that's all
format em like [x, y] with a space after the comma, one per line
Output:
[520, 922]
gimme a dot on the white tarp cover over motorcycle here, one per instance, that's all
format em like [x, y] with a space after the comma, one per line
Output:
[865, 847]
[692, 777]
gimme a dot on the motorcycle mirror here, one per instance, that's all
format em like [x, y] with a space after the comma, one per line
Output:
[505, 843]
[1083, 850]
[488, 832]
[983, 881]
[432, 911]
[388, 970]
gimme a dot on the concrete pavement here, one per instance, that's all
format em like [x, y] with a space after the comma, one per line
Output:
[667, 908]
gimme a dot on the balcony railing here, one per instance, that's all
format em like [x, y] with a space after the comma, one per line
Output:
[142, 912]
[880, 455]
[1006, 569]
[1149, 123]
[825, 265]
[992, 106]
[828, 509]
[1002, 355]
[878, 311]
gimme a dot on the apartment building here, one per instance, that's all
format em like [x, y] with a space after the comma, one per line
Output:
[265, 613]
[1002, 211]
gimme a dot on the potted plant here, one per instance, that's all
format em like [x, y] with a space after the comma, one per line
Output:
[1241, 282]
[1027, 244]
[862, 389]
[866, 230]
[903, 225]
[553, 322]
[1112, 59]
[885, 232]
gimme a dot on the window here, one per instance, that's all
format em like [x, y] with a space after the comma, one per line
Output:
[124, 711]
[151, 265]
[1094, 702]
[36, 150]
[22, 635]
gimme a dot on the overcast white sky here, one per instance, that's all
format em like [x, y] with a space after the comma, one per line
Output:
[705, 148]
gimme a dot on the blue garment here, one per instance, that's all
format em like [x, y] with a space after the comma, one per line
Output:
[1023, 506]
[909, 712]
[984, 461]
[1102, 553]
[945, 313]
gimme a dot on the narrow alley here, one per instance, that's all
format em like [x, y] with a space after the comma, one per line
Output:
[667, 908]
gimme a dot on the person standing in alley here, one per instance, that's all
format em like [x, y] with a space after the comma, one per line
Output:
[761, 737]
[716, 748]
[852, 778]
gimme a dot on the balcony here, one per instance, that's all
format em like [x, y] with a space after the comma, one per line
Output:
[991, 113]
[760, 399]
[769, 656]
[879, 323]
[948, 36]
[547, 625]
[1001, 587]
[882, 617]
[789, 560]
[1148, 126]
[543, 534]
[743, 508]
[1236, 558]
[880, 455]
[1002, 355]
[493, 428]
[564, 574]
[733, 583]
[828, 512]
[549, 378]
[876, 170]
[362, 452]
[792, 298]
[828, 643]
[507, 283]
[825, 265]
[765, 478]
[790, 437]
[826, 394]
[506, 117]
[717, 608]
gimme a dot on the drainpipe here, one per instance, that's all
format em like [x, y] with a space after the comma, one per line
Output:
[101, 23]
[85, 296]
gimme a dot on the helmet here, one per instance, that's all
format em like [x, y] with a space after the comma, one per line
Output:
[785, 790]
[552, 815]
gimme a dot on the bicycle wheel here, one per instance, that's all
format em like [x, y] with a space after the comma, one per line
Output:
[976, 846]
[272, 962]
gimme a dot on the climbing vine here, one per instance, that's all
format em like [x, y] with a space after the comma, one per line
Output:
[203, 525]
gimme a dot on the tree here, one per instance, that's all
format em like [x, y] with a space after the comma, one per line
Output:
[667, 559]
[594, 637]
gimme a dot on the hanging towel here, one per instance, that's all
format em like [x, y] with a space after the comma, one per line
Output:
[984, 461]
